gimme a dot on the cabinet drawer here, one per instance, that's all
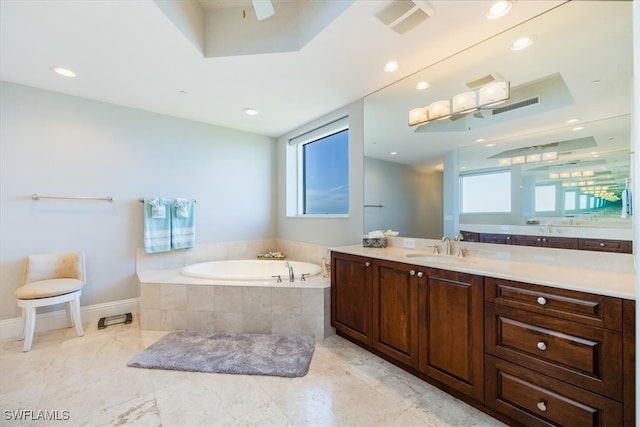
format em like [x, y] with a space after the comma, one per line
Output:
[582, 307]
[538, 400]
[602, 245]
[582, 355]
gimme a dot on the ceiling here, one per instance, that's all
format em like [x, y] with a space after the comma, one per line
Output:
[131, 53]
[580, 67]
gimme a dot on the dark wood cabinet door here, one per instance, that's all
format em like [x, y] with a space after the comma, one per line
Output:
[521, 240]
[503, 239]
[560, 242]
[602, 245]
[451, 330]
[395, 311]
[351, 296]
[470, 236]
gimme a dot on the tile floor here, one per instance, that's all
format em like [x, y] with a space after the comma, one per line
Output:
[86, 380]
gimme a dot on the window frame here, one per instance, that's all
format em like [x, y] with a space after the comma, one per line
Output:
[480, 173]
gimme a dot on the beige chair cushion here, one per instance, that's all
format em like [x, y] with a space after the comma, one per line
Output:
[69, 265]
[48, 288]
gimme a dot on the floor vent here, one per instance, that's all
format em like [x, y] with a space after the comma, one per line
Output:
[516, 105]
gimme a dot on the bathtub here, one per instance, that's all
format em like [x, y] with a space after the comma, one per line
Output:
[250, 270]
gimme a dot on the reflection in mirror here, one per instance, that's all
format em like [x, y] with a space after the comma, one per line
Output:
[563, 135]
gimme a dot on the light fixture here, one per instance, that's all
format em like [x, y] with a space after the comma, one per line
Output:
[465, 102]
[393, 153]
[554, 175]
[504, 162]
[490, 145]
[570, 121]
[577, 128]
[522, 43]
[418, 115]
[250, 111]
[550, 155]
[64, 72]
[517, 160]
[534, 158]
[422, 85]
[528, 158]
[391, 66]
[499, 9]
[572, 174]
[439, 109]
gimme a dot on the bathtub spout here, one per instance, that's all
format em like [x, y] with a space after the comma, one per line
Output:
[290, 267]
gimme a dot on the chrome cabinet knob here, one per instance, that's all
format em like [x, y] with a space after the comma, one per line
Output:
[541, 345]
[541, 301]
[542, 406]
[420, 274]
[539, 240]
[602, 245]
[412, 272]
[367, 264]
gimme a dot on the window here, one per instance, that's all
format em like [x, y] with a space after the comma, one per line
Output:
[545, 198]
[570, 201]
[318, 171]
[486, 192]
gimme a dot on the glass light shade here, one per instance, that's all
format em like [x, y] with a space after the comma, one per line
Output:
[504, 162]
[439, 109]
[588, 173]
[534, 158]
[576, 174]
[464, 101]
[550, 155]
[493, 92]
[554, 175]
[418, 116]
[518, 160]
[591, 182]
[565, 174]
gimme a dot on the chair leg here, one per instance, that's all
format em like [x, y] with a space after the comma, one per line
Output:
[24, 323]
[67, 309]
[29, 326]
[75, 312]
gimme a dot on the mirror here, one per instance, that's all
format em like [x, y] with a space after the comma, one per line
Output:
[566, 126]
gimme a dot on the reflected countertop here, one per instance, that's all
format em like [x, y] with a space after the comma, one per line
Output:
[595, 272]
[584, 232]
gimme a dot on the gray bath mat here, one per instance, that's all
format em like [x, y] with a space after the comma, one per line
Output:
[220, 352]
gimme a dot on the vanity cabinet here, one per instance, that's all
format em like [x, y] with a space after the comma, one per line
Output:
[451, 329]
[424, 318]
[351, 296]
[554, 356]
[601, 245]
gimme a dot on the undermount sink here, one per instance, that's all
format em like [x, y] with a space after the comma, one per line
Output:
[431, 257]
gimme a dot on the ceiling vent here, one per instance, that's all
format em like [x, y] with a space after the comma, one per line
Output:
[489, 78]
[520, 104]
[404, 15]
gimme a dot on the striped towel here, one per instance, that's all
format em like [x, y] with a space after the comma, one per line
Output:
[183, 227]
[157, 227]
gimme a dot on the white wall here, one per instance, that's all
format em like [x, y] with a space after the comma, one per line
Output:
[327, 231]
[411, 200]
[64, 145]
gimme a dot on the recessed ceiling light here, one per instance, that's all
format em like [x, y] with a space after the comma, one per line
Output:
[391, 66]
[577, 128]
[251, 111]
[64, 72]
[490, 145]
[573, 121]
[499, 9]
[522, 43]
[393, 153]
[422, 85]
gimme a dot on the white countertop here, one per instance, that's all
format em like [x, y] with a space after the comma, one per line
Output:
[552, 231]
[540, 267]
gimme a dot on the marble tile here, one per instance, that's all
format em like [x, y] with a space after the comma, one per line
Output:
[173, 320]
[227, 322]
[288, 301]
[227, 299]
[256, 300]
[200, 320]
[173, 297]
[286, 324]
[150, 295]
[88, 377]
[257, 323]
[151, 319]
[200, 298]
[312, 302]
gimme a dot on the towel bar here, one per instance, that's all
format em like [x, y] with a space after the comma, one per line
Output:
[39, 196]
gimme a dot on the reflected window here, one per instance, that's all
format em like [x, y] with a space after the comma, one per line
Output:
[570, 201]
[486, 192]
[583, 201]
[545, 198]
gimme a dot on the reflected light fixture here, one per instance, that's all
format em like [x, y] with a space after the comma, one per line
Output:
[391, 66]
[465, 102]
[522, 43]
[250, 111]
[64, 71]
[422, 85]
[499, 9]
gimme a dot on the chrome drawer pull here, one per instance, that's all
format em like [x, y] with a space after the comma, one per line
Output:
[412, 272]
[420, 274]
[541, 346]
[367, 264]
[542, 301]
[602, 245]
[542, 406]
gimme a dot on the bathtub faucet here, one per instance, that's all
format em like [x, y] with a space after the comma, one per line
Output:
[290, 267]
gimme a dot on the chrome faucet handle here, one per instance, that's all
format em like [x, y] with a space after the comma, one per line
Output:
[459, 237]
[303, 276]
[436, 248]
[278, 278]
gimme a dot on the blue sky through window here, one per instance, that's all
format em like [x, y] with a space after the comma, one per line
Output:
[326, 175]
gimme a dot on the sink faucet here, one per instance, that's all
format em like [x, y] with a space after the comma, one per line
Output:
[447, 246]
[459, 238]
[290, 267]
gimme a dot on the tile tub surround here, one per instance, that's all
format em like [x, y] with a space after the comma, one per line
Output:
[282, 309]
[170, 301]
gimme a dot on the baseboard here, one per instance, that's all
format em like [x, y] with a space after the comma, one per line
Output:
[11, 328]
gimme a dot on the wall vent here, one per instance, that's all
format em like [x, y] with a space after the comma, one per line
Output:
[524, 103]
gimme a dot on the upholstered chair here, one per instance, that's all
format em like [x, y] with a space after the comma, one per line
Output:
[51, 279]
